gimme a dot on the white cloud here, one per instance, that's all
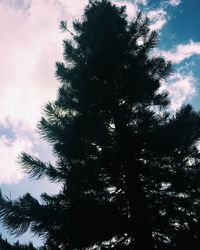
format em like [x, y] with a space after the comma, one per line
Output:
[182, 52]
[174, 2]
[31, 42]
[181, 89]
[17, 4]
[158, 18]
[10, 149]
[143, 2]
[131, 8]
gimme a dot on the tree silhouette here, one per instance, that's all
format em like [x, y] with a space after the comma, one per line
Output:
[5, 245]
[129, 169]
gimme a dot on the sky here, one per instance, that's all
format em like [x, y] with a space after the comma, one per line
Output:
[31, 43]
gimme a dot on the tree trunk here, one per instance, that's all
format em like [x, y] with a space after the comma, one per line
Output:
[141, 228]
[140, 221]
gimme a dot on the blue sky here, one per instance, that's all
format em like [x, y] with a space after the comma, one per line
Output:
[31, 43]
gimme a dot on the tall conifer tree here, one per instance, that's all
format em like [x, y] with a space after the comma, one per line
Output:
[129, 169]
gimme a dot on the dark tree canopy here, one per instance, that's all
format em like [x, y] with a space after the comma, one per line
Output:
[129, 169]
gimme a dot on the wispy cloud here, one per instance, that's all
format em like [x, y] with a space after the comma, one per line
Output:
[10, 149]
[181, 88]
[158, 18]
[181, 52]
[131, 7]
[142, 2]
[174, 2]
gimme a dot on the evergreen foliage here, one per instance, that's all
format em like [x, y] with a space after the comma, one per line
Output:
[129, 169]
[5, 245]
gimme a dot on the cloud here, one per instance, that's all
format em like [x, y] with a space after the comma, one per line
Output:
[181, 52]
[14, 139]
[181, 89]
[158, 18]
[10, 149]
[142, 2]
[131, 7]
[31, 43]
[17, 4]
[174, 2]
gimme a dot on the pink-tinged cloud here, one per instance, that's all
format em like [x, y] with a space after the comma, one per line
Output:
[31, 43]
[158, 18]
[10, 149]
[174, 2]
[181, 88]
[142, 2]
[182, 52]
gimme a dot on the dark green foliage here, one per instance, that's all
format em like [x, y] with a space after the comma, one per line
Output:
[5, 245]
[129, 174]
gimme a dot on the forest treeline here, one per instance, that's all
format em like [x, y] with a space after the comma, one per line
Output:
[129, 168]
[5, 245]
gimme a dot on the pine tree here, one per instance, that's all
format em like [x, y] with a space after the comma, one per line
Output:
[129, 169]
